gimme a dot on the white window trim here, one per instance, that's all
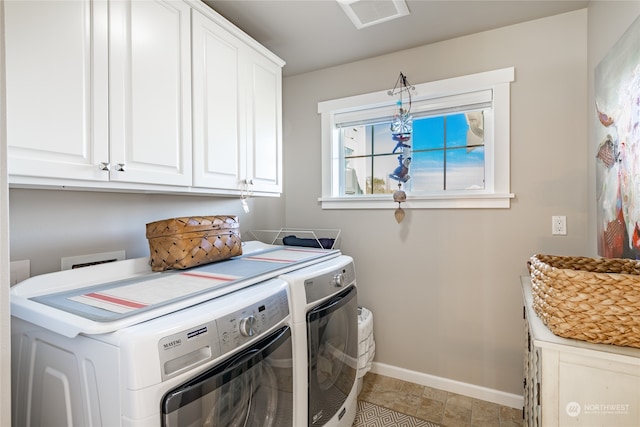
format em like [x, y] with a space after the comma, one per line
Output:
[497, 196]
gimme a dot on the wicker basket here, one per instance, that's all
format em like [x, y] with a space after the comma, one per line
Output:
[588, 299]
[180, 243]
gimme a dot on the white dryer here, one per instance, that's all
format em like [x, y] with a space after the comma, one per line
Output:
[325, 326]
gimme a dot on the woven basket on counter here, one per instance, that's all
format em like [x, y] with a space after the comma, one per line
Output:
[589, 299]
[180, 243]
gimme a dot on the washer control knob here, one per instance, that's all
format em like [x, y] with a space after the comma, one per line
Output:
[338, 280]
[248, 326]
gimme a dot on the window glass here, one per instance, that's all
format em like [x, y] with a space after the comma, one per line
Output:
[457, 156]
[444, 153]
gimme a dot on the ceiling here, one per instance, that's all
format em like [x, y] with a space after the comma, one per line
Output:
[314, 34]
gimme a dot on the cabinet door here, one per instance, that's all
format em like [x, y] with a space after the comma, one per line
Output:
[264, 125]
[150, 88]
[598, 389]
[217, 122]
[57, 99]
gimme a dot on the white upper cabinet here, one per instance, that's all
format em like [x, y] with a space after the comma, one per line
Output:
[237, 99]
[99, 91]
[264, 125]
[218, 125]
[150, 90]
[100, 95]
[57, 88]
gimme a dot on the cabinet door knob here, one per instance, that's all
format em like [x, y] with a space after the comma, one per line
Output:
[104, 166]
[120, 167]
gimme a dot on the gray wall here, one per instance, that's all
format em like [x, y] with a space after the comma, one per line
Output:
[49, 224]
[444, 284]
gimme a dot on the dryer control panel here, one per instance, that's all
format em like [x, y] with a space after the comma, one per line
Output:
[327, 284]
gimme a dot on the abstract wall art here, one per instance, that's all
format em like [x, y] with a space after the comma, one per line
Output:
[617, 134]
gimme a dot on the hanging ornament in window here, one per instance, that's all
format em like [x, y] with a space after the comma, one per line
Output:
[399, 196]
[401, 130]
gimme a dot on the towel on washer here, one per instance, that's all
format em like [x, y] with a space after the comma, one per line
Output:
[366, 343]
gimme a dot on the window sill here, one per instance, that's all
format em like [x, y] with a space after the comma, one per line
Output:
[455, 201]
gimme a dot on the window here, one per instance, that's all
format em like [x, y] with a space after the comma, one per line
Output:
[458, 155]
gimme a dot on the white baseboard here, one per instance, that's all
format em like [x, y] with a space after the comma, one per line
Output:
[453, 386]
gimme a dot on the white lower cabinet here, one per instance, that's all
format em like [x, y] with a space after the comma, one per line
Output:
[237, 112]
[100, 95]
[576, 383]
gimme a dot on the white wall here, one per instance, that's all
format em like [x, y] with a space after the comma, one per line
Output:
[444, 284]
[49, 224]
[5, 329]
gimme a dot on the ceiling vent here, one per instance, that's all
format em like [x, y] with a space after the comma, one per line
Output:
[365, 13]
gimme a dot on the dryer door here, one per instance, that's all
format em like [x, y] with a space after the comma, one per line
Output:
[333, 354]
[251, 389]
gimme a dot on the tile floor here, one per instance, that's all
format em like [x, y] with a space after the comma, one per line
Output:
[441, 407]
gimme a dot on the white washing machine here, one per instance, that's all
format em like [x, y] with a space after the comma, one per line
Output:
[118, 345]
[325, 326]
[219, 362]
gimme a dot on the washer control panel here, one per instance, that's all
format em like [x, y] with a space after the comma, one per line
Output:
[186, 349]
[327, 284]
[237, 328]
[197, 345]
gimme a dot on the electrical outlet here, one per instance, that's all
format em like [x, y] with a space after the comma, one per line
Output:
[559, 225]
[19, 270]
